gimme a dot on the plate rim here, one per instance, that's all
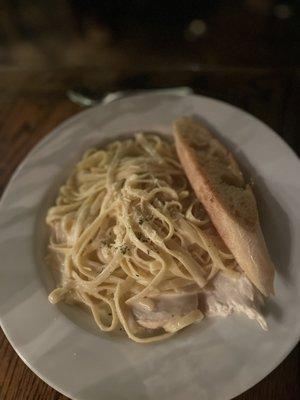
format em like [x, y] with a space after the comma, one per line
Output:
[73, 119]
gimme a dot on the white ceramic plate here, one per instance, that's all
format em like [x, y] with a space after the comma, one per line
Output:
[217, 359]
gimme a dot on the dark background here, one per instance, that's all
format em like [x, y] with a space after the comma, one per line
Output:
[56, 33]
[244, 52]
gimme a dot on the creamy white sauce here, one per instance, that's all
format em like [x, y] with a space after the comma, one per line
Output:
[164, 308]
[226, 294]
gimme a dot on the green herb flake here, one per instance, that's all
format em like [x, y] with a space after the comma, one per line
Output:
[123, 249]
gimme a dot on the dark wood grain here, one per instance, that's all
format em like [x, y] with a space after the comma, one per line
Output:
[29, 110]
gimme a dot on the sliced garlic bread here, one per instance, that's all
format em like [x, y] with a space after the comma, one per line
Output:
[220, 186]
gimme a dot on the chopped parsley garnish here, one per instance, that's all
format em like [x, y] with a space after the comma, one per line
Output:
[106, 243]
[124, 249]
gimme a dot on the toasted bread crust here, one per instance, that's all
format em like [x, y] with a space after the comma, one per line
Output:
[219, 184]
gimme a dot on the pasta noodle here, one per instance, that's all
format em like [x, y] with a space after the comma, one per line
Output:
[127, 229]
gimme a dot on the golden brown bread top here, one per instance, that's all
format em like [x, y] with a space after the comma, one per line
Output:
[220, 186]
[220, 170]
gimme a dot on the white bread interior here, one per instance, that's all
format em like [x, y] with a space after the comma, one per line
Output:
[220, 186]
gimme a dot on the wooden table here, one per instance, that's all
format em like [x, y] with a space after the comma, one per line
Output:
[32, 103]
